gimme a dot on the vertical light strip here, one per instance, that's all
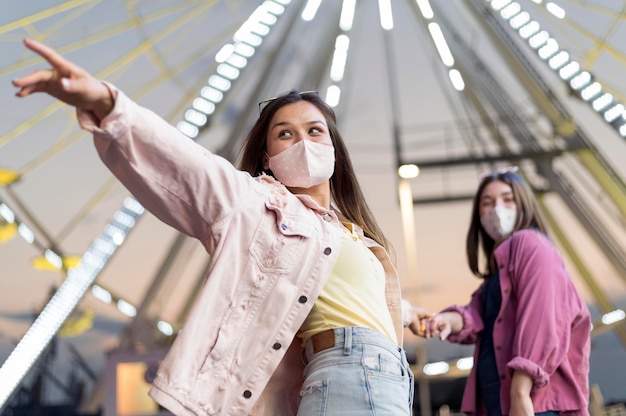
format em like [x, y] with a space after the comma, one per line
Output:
[440, 43]
[232, 58]
[386, 15]
[25, 354]
[425, 9]
[436, 34]
[337, 69]
[55, 260]
[340, 55]
[310, 10]
[65, 299]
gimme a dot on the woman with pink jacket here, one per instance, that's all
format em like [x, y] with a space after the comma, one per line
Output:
[301, 311]
[530, 326]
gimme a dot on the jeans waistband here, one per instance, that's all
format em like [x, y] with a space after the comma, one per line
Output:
[346, 337]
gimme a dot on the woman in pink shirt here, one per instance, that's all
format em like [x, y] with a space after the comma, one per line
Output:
[530, 326]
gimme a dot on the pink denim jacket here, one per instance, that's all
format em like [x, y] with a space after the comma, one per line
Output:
[543, 328]
[272, 251]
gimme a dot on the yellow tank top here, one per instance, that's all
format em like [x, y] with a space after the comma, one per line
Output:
[354, 294]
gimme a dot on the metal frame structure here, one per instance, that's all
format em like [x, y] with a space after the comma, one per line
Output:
[512, 136]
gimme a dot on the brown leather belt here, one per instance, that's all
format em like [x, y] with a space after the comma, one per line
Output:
[323, 340]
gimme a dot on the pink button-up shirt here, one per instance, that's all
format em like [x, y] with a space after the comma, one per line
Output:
[543, 328]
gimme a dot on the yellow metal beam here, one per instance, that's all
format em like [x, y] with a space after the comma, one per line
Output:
[124, 61]
[608, 183]
[60, 22]
[563, 125]
[44, 14]
[72, 138]
[112, 31]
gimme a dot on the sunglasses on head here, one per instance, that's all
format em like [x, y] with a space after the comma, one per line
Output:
[266, 102]
[502, 171]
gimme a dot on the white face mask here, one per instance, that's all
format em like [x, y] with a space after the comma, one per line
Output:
[499, 222]
[304, 164]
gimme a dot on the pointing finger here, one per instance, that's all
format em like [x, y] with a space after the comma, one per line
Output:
[47, 53]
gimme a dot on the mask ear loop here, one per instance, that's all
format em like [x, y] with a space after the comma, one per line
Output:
[266, 161]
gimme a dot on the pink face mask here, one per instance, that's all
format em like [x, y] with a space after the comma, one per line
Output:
[304, 164]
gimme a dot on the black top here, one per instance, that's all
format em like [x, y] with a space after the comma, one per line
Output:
[486, 369]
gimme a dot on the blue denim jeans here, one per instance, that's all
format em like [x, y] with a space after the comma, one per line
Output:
[365, 373]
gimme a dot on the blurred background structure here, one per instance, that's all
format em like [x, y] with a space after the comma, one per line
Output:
[428, 95]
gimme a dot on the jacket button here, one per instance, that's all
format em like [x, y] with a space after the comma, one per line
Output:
[247, 394]
[506, 290]
[327, 217]
[503, 377]
[276, 346]
[283, 227]
[501, 266]
[302, 299]
[499, 348]
[327, 251]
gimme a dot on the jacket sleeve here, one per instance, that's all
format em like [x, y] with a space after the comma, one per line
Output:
[176, 179]
[472, 319]
[543, 292]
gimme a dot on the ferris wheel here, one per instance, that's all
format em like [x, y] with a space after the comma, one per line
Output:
[465, 85]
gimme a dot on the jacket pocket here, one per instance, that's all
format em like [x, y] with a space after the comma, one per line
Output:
[279, 243]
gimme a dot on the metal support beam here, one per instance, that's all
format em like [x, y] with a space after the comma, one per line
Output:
[563, 122]
[507, 157]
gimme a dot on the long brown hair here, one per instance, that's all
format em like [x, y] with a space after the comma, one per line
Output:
[528, 216]
[344, 187]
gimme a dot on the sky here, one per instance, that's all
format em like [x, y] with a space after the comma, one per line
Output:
[161, 53]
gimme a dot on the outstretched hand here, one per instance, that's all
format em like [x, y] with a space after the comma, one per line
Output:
[438, 324]
[419, 317]
[65, 81]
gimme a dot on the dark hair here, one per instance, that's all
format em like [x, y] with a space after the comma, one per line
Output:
[528, 216]
[344, 187]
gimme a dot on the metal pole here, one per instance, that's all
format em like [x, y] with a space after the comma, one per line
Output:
[410, 242]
